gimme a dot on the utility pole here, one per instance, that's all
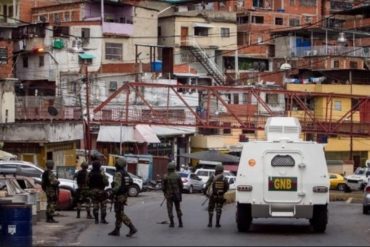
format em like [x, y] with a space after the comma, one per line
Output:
[88, 137]
[351, 124]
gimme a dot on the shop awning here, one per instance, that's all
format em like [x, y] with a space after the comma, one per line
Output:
[139, 133]
[173, 131]
[7, 156]
[86, 56]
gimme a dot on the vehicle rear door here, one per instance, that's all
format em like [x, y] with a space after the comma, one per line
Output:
[283, 177]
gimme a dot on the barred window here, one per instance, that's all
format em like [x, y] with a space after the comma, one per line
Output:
[3, 55]
[113, 51]
[282, 160]
[308, 3]
[225, 32]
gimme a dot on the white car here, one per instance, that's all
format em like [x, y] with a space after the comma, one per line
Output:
[27, 169]
[366, 202]
[133, 191]
[358, 180]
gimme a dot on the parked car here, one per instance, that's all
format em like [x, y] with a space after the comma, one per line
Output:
[337, 182]
[359, 179]
[191, 182]
[133, 191]
[27, 169]
[204, 174]
[366, 202]
[18, 185]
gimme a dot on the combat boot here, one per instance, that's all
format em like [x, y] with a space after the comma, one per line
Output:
[172, 224]
[78, 213]
[180, 221]
[103, 221]
[115, 232]
[132, 231]
[210, 216]
[218, 221]
[96, 216]
[89, 215]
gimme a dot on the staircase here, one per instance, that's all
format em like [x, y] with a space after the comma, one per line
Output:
[207, 62]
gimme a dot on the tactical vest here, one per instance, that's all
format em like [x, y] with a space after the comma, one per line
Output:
[125, 182]
[218, 186]
[82, 178]
[45, 182]
[96, 180]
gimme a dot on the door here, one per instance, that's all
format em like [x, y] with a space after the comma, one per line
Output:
[282, 177]
[184, 35]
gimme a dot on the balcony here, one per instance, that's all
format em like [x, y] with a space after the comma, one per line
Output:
[121, 27]
[329, 51]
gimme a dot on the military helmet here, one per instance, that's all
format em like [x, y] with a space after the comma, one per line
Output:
[120, 163]
[84, 165]
[49, 164]
[219, 169]
[171, 166]
[95, 155]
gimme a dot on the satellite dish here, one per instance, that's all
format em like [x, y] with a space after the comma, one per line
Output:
[285, 66]
[52, 111]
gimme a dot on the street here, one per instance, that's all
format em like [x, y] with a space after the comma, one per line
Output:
[347, 227]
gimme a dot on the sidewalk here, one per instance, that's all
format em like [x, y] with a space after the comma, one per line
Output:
[50, 234]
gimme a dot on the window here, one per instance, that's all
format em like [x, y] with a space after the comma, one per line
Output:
[294, 22]
[200, 31]
[113, 51]
[225, 32]
[242, 19]
[279, 21]
[292, 2]
[308, 19]
[338, 105]
[112, 86]
[336, 64]
[67, 16]
[159, 31]
[258, 3]
[353, 64]
[3, 55]
[308, 3]
[59, 31]
[41, 61]
[257, 19]
[282, 160]
[25, 62]
[272, 99]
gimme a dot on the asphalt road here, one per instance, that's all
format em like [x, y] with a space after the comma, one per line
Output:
[347, 227]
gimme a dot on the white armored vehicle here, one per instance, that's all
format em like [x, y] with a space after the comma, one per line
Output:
[282, 177]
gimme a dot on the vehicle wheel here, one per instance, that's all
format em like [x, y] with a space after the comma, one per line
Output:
[133, 191]
[319, 218]
[243, 217]
[365, 210]
[191, 190]
[341, 187]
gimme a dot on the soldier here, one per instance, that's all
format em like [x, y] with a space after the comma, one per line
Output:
[83, 191]
[120, 185]
[172, 189]
[97, 181]
[50, 186]
[216, 187]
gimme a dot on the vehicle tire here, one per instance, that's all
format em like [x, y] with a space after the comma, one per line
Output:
[133, 191]
[319, 218]
[341, 187]
[243, 217]
[191, 189]
[365, 210]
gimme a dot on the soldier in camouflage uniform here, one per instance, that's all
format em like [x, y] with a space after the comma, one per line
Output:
[83, 191]
[120, 185]
[97, 181]
[172, 188]
[50, 186]
[216, 187]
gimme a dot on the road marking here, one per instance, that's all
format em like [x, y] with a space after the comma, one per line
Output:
[349, 200]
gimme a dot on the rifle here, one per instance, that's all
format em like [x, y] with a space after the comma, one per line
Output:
[163, 201]
[111, 203]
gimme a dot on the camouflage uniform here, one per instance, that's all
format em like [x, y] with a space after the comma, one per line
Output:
[217, 186]
[120, 185]
[83, 191]
[50, 186]
[97, 181]
[172, 188]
